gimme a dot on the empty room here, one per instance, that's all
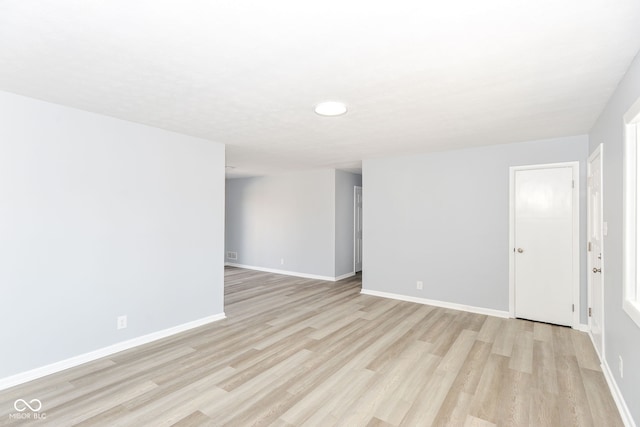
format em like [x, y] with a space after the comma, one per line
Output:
[338, 213]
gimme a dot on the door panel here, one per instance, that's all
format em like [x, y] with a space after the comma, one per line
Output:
[543, 264]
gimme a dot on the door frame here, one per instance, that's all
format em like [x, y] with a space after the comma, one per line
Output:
[355, 219]
[575, 168]
[598, 151]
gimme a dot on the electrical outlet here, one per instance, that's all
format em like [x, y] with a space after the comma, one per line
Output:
[620, 366]
[281, 261]
[122, 322]
[419, 285]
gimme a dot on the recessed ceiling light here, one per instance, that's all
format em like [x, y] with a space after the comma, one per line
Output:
[331, 108]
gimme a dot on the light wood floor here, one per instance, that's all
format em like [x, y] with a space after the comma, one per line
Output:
[305, 352]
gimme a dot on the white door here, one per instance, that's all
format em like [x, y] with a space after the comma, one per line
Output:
[594, 248]
[543, 224]
[357, 227]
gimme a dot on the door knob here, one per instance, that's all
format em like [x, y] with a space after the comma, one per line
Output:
[597, 270]
[520, 250]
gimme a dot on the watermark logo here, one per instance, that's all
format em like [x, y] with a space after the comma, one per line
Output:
[30, 410]
[21, 405]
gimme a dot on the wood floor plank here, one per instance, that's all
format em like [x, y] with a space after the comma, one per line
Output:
[382, 390]
[477, 422]
[402, 398]
[562, 342]
[603, 408]
[392, 352]
[572, 394]
[472, 369]
[454, 410]
[486, 401]
[458, 351]
[583, 348]
[457, 403]
[545, 374]
[515, 399]
[425, 407]
[490, 329]
[375, 422]
[296, 351]
[522, 355]
[195, 419]
[542, 332]
[543, 412]
[438, 325]
[471, 321]
[505, 337]
[337, 400]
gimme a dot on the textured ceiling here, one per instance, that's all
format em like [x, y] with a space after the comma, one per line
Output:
[416, 76]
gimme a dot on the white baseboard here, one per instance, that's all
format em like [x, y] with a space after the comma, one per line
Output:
[103, 352]
[623, 409]
[593, 343]
[344, 276]
[289, 273]
[583, 328]
[627, 419]
[443, 304]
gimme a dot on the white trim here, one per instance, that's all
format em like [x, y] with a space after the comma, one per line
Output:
[436, 303]
[355, 231]
[512, 244]
[625, 414]
[344, 276]
[633, 114]
[632, 309]
[355, 212]
[593, 343]
[630, 299]
[575, 167]
[597, 152]
[286, 272]
[583, 327]
[80, 359]
[623, 409]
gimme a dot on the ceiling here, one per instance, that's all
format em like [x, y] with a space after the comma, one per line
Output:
[417, 76]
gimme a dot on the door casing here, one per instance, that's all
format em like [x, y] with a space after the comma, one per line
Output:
[597, 153]
[357, 229]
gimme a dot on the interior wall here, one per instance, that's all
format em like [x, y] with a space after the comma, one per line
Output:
[283, 222]
[345, 182]
[622, 335]
[443, 218]
[100, 218]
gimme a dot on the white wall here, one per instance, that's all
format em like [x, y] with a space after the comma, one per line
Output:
[622, 335]
[345, 182]
[443, 218]
[99, 218]
[288, 217]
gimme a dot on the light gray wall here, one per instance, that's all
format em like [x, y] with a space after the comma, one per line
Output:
[99, 218]
[622, 335]
[288, 216]
[443, 218]
[345, 182]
